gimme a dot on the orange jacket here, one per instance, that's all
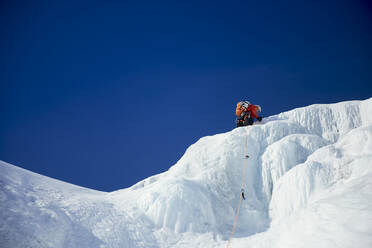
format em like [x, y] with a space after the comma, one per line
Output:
[239, 110]
[253, 109]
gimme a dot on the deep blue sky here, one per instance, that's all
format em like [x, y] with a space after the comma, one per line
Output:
[103, 95]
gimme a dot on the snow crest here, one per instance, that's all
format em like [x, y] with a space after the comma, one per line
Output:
[308, 175]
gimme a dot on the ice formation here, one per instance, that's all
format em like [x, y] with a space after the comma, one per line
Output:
[308, 183]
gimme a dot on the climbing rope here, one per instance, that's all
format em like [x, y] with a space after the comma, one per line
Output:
[242, 191]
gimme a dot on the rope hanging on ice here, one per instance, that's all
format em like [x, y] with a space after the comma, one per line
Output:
[242, 197]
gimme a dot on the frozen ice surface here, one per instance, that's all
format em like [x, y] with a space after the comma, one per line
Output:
[308, 183]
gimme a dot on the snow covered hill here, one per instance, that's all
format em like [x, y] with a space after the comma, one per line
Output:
[307, 183]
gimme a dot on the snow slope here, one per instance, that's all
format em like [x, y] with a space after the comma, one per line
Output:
[308, 183]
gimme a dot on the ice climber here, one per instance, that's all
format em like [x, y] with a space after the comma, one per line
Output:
[245, 113]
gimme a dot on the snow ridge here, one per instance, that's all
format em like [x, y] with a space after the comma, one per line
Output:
[308, 182]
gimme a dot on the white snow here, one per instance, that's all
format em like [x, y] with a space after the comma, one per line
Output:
[308, 183]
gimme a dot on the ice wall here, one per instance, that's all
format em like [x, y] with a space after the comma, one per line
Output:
[304, 165]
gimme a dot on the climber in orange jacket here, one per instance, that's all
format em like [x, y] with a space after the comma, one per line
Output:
[245, 113]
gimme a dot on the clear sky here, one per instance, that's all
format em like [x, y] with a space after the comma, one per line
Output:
[103, 94]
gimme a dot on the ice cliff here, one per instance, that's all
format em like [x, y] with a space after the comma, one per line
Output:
[308, 183]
